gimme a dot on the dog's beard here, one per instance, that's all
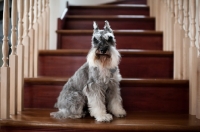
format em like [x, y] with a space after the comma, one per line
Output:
[107, 60]
[103, 59]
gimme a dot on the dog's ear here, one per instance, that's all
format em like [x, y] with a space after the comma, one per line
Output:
[107, 27]
[95, 26]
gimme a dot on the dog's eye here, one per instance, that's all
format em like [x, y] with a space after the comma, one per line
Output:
[110, 39]
[95, 40]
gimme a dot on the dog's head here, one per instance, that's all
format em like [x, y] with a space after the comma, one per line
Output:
[103, 51]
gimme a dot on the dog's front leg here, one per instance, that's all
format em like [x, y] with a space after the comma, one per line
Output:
[96, 102]
[114, 100]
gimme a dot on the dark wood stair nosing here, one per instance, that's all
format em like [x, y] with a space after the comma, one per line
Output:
[124, 81]
[125, 32]
[110, 17]
[126, 6]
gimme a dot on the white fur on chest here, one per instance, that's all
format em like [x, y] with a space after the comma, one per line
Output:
[104, 75]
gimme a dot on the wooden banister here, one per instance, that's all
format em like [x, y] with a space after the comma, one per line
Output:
[23, 60]
[181, 28]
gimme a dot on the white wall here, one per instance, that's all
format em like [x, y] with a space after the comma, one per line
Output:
[56, 9]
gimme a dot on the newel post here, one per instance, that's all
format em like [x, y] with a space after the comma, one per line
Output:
[5, 70]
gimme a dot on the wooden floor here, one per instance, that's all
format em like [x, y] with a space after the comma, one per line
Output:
[39, 120]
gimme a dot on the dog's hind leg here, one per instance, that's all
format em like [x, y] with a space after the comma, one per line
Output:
[70, 105]
[96, 102]
[114, 100]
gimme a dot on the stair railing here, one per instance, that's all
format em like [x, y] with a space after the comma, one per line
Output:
[33, 34]
[179, 21]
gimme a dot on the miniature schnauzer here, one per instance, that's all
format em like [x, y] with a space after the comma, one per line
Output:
[96, 83]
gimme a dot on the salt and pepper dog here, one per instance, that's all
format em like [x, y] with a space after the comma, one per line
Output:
[96, 83]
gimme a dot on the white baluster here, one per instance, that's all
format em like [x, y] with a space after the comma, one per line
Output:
[36, 37]
[192, 60]
[40, 22]
[5, 70]
[198, 88]
[47, 23]
[168, 35]
[20, 53]
[165, 26]
[44, 19]
[31, 36]
[26, 40]
[13, 61]
[176, 28]
[180, 33]
[186, 40]
[171, 25]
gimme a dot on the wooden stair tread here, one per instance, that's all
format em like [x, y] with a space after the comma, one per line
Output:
[124, 81]
[123, 52]
[134, 121]
[115, 17]
[144, 32]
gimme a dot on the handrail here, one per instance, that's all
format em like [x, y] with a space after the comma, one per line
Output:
[65, 11]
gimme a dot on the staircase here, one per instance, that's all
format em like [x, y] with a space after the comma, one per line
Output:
[152, 99]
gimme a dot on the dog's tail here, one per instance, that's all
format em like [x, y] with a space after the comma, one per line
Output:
[61, 114]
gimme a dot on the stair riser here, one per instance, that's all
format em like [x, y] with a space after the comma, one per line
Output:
[124, 41]
[130, 66]
[161, 99]
[144, 24]
[109, 11]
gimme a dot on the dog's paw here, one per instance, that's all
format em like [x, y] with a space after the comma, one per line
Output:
[120, 113]
[104, 118]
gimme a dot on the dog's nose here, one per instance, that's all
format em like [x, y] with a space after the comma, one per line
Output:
[103, 50]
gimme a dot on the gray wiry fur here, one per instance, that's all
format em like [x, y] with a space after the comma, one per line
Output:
[95, 83]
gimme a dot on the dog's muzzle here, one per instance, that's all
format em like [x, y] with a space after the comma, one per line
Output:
[103, 50]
